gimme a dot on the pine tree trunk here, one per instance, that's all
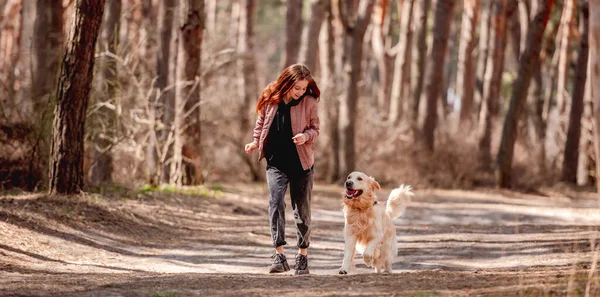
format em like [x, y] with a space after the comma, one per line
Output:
[485, 42]
[570, 160]
[435, 69]
[211, 16]
[493, 77]
[529, 60]
[159, 142]
[47, 42]
[247, 85]
[75, 78]
[594, 78]
[354, 35]
[465, 82]
[148, 33]
[381, 39]
[292, 32]
[186, 166]
[586, 171]
[106, 117]
[402, 69]
[421, 50]
[567, 22]
[329, 113]
[310, 40]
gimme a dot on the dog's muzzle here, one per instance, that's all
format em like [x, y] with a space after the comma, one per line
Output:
[351, 193]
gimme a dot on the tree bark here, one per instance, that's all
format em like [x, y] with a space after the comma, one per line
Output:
[421, 49]
[75, 78]
[158, 144]
[211, 16]
[292, 32]
[483, 49]
[186, 166]
[402, 69]
[353, 52]
[567, 22]
[310, 40]
[586, 171]
[105, 117]
[594, 78]
[465, 82]
[47, 41]
[381, 39]
[435, 69]
[570, 160]
[331, 141]
[529, 60]
[493, 77]
[247, 85]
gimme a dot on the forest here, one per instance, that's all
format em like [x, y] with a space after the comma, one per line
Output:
[450, 94]
[123, 126]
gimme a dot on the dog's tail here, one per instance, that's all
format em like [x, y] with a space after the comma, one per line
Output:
[399, 198]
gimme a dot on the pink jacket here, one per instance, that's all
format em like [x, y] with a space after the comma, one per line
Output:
[305, 119]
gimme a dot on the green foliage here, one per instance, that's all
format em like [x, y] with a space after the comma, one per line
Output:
[214, 191]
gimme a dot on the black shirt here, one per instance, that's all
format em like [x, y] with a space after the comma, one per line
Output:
[280, 149]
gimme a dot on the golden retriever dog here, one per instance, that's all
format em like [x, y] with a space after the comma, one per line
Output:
[369, 226]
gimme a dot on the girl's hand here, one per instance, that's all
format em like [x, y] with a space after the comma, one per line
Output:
[299, 139]
[250, 147]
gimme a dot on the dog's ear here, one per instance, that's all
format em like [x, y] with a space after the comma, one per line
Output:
[374, 184]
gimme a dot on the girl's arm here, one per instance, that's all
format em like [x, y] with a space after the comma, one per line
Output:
[258, 126]
[312, 132]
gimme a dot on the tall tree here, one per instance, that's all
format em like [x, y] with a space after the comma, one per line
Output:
[421, 20]
[310, 41]
[444, 12]
[105, 117]
[75, 78]
[381, 42]
[465, 82]
[493, 76]
[355, 22]
[330, 141]
[292, 32]
[47, 41]
[46, 47]
[483, 46]
[594, 77]
[186, 165]
[159, 142]
[402, 69]
[564, 60]
[247, 84]
[570, 160]
[529, 60]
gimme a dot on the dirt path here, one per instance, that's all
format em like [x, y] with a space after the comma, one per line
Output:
[165, 244]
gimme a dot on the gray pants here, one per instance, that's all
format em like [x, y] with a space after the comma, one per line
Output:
[300, 193]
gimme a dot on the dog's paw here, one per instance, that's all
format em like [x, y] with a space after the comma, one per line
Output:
[343, 272]
[368, 260]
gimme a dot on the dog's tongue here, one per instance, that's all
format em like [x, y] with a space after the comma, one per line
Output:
[351, 192]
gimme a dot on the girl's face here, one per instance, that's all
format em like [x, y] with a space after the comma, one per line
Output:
[298, 89]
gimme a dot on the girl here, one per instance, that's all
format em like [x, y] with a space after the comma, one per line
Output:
[284, 134]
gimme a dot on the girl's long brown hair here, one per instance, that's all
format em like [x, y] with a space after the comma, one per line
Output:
[276, 90]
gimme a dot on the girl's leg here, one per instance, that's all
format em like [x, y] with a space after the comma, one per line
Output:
[301, 193]
[277, 182]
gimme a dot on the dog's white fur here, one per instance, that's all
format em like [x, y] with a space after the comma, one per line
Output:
[369, 226]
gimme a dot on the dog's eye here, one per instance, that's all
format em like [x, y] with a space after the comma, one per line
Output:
[360, 178]
[348, 177]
